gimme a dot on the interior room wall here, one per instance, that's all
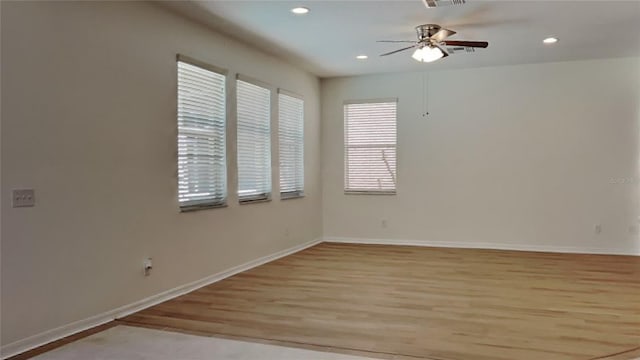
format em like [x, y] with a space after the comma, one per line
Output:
[518, 157]
[89, 122]
[528, 156]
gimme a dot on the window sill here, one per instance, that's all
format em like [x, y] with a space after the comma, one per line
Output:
[253, 201]
[291, 196]
[353, 192]
[191, 208]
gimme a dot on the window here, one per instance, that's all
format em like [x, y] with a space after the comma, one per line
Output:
[254, 141]
[202, 174]
[370, 147]
[291, 139]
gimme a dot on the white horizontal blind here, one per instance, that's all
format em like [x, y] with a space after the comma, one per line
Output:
[254, 142]
[291, 139]
[202, 174]
[370, 147]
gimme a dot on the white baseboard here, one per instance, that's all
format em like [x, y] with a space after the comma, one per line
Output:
[484, 245]
[46, 337]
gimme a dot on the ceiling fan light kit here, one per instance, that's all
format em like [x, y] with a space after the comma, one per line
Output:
[428, 54]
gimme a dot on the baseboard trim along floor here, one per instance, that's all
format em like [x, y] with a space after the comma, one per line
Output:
[485, 245]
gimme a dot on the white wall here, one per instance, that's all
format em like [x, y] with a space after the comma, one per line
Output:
[88, 121]
[516, 157]
[513, 157]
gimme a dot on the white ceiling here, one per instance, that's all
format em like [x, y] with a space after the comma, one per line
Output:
[326, 40]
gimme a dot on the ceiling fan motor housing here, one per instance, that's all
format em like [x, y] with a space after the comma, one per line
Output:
[425, 31]
[436, 3]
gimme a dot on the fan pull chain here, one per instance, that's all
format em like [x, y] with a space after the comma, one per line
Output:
[425, 94]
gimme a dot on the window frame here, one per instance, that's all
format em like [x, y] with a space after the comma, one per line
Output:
[298, 193]
[205, 204]
[346, 148]
[242, 200]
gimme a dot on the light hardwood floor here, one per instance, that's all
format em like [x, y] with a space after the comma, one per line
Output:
[435, 303]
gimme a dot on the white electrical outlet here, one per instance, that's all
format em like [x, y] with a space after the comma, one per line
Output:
[23, 198]
[597, 229]
[148, 265]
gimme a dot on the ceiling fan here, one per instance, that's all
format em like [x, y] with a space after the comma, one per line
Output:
[431, 44]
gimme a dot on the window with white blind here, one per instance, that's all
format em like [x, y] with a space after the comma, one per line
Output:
[291, 140]
[254, 141]
[202, 171]
[370, 147]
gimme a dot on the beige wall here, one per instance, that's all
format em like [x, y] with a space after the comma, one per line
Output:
[88, 121]
[512, 157]
[529, 156]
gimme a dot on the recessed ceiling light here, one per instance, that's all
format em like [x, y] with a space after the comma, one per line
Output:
[550, 40]
[300, 10]
[362, 57]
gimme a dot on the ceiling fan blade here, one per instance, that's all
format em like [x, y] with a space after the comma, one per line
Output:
[475, 44]
[397, 41]
[396, 51]
[442, 34]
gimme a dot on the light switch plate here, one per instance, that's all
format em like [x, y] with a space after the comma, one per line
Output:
[23, 198]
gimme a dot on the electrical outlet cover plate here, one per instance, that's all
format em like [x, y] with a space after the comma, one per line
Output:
[148, 265]
[23, 198]
[597, 229]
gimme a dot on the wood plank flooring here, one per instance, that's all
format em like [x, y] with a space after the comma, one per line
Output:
[416, 302]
